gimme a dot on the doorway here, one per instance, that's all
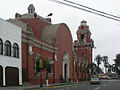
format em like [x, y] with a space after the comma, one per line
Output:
[12, 76]
[65, 71]
[1, 76]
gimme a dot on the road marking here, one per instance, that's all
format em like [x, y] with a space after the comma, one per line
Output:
[97, 88]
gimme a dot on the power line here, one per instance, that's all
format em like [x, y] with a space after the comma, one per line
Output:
[109, 17]
[91, 9]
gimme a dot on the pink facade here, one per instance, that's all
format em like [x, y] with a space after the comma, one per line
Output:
[54, 43]
[83, 51]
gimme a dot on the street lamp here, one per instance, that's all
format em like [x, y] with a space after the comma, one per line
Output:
[54, 63]
[49, 14]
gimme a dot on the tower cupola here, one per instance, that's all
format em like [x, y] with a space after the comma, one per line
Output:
[83, 22]
[83, 32]
[31, 8]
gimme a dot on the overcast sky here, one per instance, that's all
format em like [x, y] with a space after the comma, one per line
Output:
[105, 32]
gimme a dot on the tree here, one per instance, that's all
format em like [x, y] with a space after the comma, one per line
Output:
[117, 64]
[98, 59]
[105, 61]
[117, 60]
[110, 67]
[43, 64]
[91, 69]
[114, 69]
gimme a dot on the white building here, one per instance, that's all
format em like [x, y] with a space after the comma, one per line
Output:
[10, 54]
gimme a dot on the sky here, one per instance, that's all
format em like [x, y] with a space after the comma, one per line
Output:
[105, 32]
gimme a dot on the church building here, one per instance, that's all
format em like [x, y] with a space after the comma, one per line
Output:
[41, 40]
[53, 42]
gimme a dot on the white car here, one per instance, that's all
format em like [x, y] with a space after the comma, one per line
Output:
[95, 81]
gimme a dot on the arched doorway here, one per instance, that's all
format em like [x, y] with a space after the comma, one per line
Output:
[65, 71]
[66, 66]
[12, 76]
[1, 76]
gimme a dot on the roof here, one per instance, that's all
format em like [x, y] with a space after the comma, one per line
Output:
[49, 33]
[21, 24]
[32, 15]
[83, 21]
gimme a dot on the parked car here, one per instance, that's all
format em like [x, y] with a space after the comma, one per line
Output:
[105, 77]
[95, 80]
[114, 78]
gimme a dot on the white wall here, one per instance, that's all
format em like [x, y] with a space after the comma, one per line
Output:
[9, 31]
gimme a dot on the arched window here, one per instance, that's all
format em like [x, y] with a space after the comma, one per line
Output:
[7, 48]
[36, 65]
[82, 37]
[76, 68]
[80, 68]
[1, 46]
[15, 50]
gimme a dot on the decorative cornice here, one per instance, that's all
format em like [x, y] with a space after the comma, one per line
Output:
[37, 41]
[83, 31]
[83, 44]
[37, 45]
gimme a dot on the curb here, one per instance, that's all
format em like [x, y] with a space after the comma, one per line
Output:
[34, 87]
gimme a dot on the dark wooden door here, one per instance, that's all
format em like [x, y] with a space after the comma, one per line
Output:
[65, 71]
[1, 76]
[12, 76]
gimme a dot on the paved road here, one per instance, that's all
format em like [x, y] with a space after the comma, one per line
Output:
[105, 85]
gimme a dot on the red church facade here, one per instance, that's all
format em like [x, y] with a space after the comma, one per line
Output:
[41, 38]
[54, 43]
[83, 52]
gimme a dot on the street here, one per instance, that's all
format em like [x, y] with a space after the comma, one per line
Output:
[105, 85]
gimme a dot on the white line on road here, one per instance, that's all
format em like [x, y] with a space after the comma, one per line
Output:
[97, 88]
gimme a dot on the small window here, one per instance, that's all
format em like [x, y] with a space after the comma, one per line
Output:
[36, 63]
[83, 69]
[82, 27]
[80, 68]
[82, 37]
[82, 54]
[15, 50]
[49, 65]
[7, 48]
[50, 68]
[76, 68]
[1, 47]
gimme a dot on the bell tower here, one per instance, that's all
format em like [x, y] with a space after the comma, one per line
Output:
[83, 51]
[83, 33]
[84, 44]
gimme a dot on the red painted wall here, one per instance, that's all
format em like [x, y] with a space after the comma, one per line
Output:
[63, 43]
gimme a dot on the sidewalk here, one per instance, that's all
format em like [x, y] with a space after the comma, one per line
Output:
[34, 87]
